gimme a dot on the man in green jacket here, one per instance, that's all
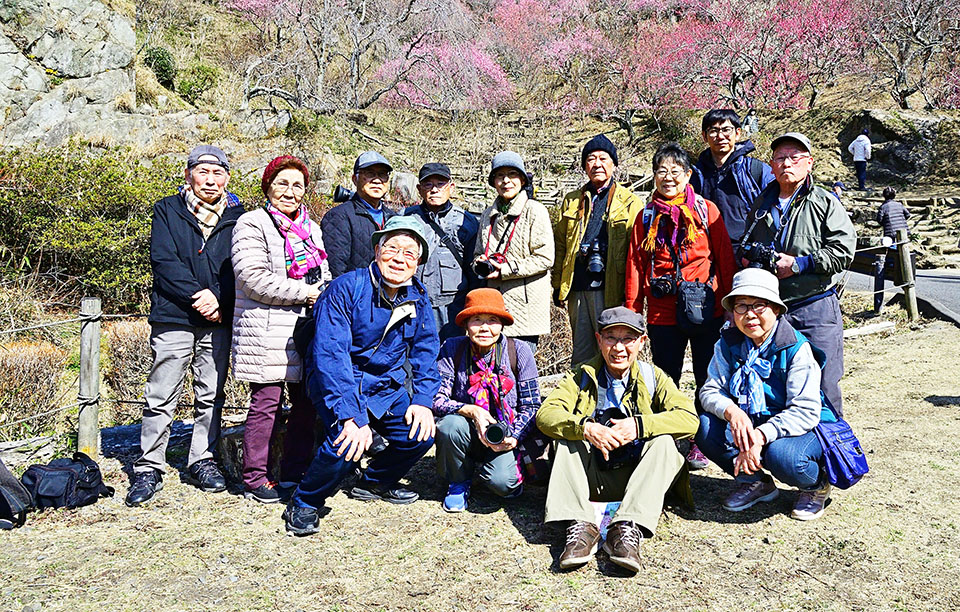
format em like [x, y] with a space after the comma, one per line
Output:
[814, 241]
[590, 245]
[615, 420]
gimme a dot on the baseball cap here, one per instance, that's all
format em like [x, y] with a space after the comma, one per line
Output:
[434, 169]
[220, 158]
[797, 136]
[370, 158]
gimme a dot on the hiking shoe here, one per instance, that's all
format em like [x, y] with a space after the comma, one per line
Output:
[811, 504]
[515, 493]
[748, 494]
[207, 476]
[394, 495]
[301, 521]
[623, 545]
[581, 546]
[457, 495]
[696, 460]
[267, 493]
[145, 486]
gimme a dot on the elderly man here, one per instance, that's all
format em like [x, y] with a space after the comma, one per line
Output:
[615, 420]
[590, 242]
[725, 173]
[814, 241]
[191, 310]
[368, 322]
[347, 227]
[452, 235]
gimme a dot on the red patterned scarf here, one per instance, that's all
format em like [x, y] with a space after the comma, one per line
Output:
[679, 226]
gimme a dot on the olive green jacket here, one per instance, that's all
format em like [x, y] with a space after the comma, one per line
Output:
[623, 206]
[572, 404]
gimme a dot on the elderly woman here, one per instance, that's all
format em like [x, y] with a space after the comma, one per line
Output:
[762, 401]
[681, 246]
[515, 249]
[487, 402]
[281, 269]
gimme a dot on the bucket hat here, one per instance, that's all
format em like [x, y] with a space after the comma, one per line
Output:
[484, 301]
[754, 282]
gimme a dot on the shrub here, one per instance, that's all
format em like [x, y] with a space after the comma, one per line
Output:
[29, 384]
[196, 81]
[163, 65]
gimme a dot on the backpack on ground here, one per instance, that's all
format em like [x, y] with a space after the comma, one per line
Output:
[14, 500]
[65, 483]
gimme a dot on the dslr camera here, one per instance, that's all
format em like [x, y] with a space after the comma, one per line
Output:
[594, 254]
[496, 433]
[622, 455]
[762, 256]
[313, 276]
[342, 194]
[482, 267]
[662, 286]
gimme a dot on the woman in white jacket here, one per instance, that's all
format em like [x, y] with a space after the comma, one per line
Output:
[281, 269]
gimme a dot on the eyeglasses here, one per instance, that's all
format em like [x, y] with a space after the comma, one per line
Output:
[793, 159]
[615, 340]
[674, 174]
[431, 185]
[758, 308]
[726, 131]
[370, 174]
[390, 251]
[281, 187]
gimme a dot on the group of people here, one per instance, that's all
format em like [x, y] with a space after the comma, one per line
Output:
[390, 332]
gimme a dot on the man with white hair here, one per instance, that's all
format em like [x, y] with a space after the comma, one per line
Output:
[369, 322]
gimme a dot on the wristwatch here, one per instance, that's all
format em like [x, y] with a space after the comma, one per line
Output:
[795, 267]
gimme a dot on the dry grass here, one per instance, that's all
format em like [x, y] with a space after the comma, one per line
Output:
[30, 375]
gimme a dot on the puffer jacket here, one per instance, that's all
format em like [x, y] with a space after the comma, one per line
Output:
[623, 208]
[268, 303]
[732, 186]
[525, 278]
[818, 226]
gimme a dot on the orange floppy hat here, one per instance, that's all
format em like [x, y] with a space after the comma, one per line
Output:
[484, 301]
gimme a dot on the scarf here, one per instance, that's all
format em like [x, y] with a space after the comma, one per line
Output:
[598, 214]
[746, 384]
[677, 212]
[300, 253]
[486, 384]
[208, 215]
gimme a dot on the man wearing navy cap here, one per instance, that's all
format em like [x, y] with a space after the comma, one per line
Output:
[452, 235]
[347, 227]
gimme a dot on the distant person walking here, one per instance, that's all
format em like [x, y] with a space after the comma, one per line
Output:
[892, 215]
[860, 149]
[751, 124]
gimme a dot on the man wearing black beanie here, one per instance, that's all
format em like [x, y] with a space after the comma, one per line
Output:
[591, 245]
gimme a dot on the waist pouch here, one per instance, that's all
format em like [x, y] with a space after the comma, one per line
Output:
[695, 304]
[843, 458]
[65, 483]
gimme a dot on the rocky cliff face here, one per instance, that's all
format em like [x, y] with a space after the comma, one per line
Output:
[66, 67]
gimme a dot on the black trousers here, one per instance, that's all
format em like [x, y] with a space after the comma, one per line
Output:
[668, 343]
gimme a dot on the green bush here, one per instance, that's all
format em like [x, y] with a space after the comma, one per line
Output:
[196, 81]
[163, 65]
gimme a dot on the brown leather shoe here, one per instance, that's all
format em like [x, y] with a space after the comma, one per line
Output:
[623, 545]
[582, 540]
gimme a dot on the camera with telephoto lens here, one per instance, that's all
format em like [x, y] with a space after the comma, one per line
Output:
[594, 254]
[495, 433]
[482, 267]
[762, 256]
[662, 286]
[342, 194]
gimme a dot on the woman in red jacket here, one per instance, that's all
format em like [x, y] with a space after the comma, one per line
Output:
[681, 241]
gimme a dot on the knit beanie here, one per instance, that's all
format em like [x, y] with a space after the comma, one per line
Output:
[599, 143]
[282, 163]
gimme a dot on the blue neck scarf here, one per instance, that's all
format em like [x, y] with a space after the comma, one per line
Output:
[746, 384]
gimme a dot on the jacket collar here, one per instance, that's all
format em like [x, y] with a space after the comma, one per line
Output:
[741, 149]
[516, 206]
[596, 365]
[231, 213]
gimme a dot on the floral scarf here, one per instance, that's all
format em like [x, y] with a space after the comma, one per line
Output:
[679, 227]
[486, 385]
[300, 253]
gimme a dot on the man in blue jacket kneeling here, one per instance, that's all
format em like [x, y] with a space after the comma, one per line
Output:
[369, 321]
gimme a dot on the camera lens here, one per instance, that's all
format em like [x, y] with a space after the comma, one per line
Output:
[495, 433]
[482, 268]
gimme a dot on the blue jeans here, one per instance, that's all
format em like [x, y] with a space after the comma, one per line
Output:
[794, 461]
[385, 469]
[860, 167]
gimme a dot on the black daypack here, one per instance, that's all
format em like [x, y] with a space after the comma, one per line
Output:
[14, 500]
[65, 483]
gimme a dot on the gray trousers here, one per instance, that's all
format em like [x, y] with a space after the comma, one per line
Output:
[174, 348]
[822, 324]
[576, 480]
[584, 307]
[460, 452]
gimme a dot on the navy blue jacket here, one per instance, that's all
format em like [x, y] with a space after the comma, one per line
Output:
[347, 229]
[356, 360]
[731, 187]
[184, 263]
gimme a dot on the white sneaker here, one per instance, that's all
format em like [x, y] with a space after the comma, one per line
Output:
[811, 504]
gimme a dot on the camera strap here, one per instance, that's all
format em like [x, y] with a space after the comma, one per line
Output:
[453, 245]
[501, 249]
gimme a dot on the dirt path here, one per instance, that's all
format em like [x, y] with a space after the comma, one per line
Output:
[890, 543]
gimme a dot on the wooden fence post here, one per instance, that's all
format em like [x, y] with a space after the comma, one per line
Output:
[88, 430]
[906, 273]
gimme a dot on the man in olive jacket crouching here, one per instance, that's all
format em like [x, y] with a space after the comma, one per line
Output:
[615, 420]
